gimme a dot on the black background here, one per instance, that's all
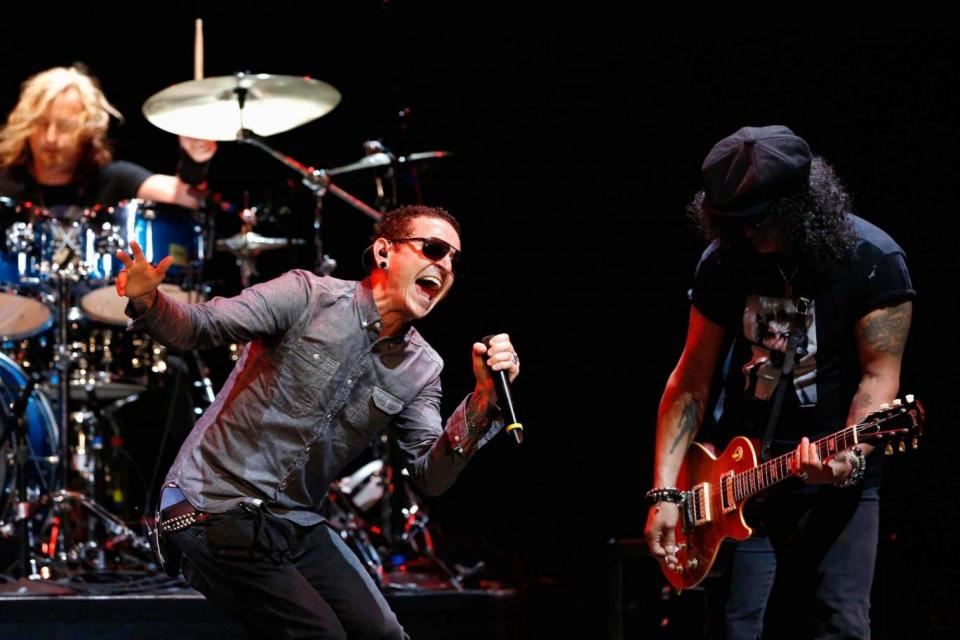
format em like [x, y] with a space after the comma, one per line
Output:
[577, 147]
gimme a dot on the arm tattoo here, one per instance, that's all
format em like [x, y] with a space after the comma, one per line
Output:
[477, 416]
[688, 425]
[886, 330]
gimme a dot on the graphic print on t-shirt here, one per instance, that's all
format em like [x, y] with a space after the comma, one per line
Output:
[767, 324]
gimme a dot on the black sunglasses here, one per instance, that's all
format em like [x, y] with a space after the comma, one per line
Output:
[435, 249]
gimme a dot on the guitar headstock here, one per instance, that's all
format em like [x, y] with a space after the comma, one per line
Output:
[898, 423]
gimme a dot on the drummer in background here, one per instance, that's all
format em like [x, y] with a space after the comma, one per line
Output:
[54, 150]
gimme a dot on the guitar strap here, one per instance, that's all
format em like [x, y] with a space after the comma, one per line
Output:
[786, 374]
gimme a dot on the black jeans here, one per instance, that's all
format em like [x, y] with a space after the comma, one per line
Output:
[283, 580]
[808, 570]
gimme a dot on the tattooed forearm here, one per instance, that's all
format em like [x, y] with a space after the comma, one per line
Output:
[477, 413]
[885, 330]
[688, 426]
[862, 405]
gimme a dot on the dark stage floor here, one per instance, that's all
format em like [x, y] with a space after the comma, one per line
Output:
[181, 613]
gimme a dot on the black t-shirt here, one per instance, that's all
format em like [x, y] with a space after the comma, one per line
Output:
[109, 185]
[745, 292]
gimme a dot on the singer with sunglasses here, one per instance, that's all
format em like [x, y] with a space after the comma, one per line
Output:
[328, 365]
[800, 310]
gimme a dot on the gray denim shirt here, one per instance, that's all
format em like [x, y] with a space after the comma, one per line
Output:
[313, 387]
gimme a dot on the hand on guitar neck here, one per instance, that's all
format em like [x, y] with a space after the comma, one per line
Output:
[809, 467]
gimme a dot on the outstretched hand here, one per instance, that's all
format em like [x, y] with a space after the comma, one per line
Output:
[139, 278]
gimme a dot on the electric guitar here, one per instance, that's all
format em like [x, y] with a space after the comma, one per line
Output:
[715, 489]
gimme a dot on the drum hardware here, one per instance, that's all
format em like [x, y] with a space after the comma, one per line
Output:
[379, 516]
[319, 183]
[246, 108]
[247, 245]
[349, 522]
[15, 426]
[64, 501]
[90, 365]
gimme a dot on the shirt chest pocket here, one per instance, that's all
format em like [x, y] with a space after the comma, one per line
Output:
[374, 409]
[304, 372]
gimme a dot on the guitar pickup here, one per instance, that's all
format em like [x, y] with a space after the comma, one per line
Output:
[698, 504]
[728, 502]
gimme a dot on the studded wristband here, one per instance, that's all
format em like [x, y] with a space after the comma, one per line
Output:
[664, 494]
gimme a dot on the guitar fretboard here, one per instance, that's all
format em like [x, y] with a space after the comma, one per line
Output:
[771, 472]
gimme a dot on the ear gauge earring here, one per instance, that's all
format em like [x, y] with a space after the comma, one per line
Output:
[383, 264]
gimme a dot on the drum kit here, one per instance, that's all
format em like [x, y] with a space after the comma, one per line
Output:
[68, 363]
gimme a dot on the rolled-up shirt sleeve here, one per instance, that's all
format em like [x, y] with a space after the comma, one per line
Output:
[434, 454]
[266, 309]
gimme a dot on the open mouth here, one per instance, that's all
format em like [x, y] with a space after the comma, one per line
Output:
[429, 286]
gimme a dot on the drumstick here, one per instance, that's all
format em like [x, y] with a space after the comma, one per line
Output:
[198, 49]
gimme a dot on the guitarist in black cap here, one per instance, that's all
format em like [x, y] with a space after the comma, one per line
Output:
[788, 268]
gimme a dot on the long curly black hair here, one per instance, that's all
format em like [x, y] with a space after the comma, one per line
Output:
[811, 227]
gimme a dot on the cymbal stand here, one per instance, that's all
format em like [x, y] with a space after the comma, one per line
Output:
[320, 183]
[62, 497]
[14, 419]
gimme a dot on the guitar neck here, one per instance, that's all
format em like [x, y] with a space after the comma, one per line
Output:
[776, 470]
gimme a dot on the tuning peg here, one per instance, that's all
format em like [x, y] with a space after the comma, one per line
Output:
[909, 398]
[901, 446]
[888, 450]
[915, 442]
[885, 406]
[897, 402]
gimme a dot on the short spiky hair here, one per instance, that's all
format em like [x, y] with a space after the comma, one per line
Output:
[396, 223]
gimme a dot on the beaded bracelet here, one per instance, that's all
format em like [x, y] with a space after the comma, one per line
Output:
[858, 464]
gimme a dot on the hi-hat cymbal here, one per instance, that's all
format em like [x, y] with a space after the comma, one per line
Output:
[252, 243]
[210, 109]
[381, 159]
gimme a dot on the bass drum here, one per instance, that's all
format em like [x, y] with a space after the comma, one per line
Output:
[42, 439]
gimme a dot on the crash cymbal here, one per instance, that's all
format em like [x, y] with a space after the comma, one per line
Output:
[210, 109]
[382, 159]
[252, 243]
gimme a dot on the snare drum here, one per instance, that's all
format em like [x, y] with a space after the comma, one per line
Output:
[161, 230]
[22, 311]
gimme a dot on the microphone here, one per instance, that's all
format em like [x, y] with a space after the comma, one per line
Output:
[506, 400]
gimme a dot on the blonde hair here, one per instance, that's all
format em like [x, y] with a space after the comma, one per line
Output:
[36, 94]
